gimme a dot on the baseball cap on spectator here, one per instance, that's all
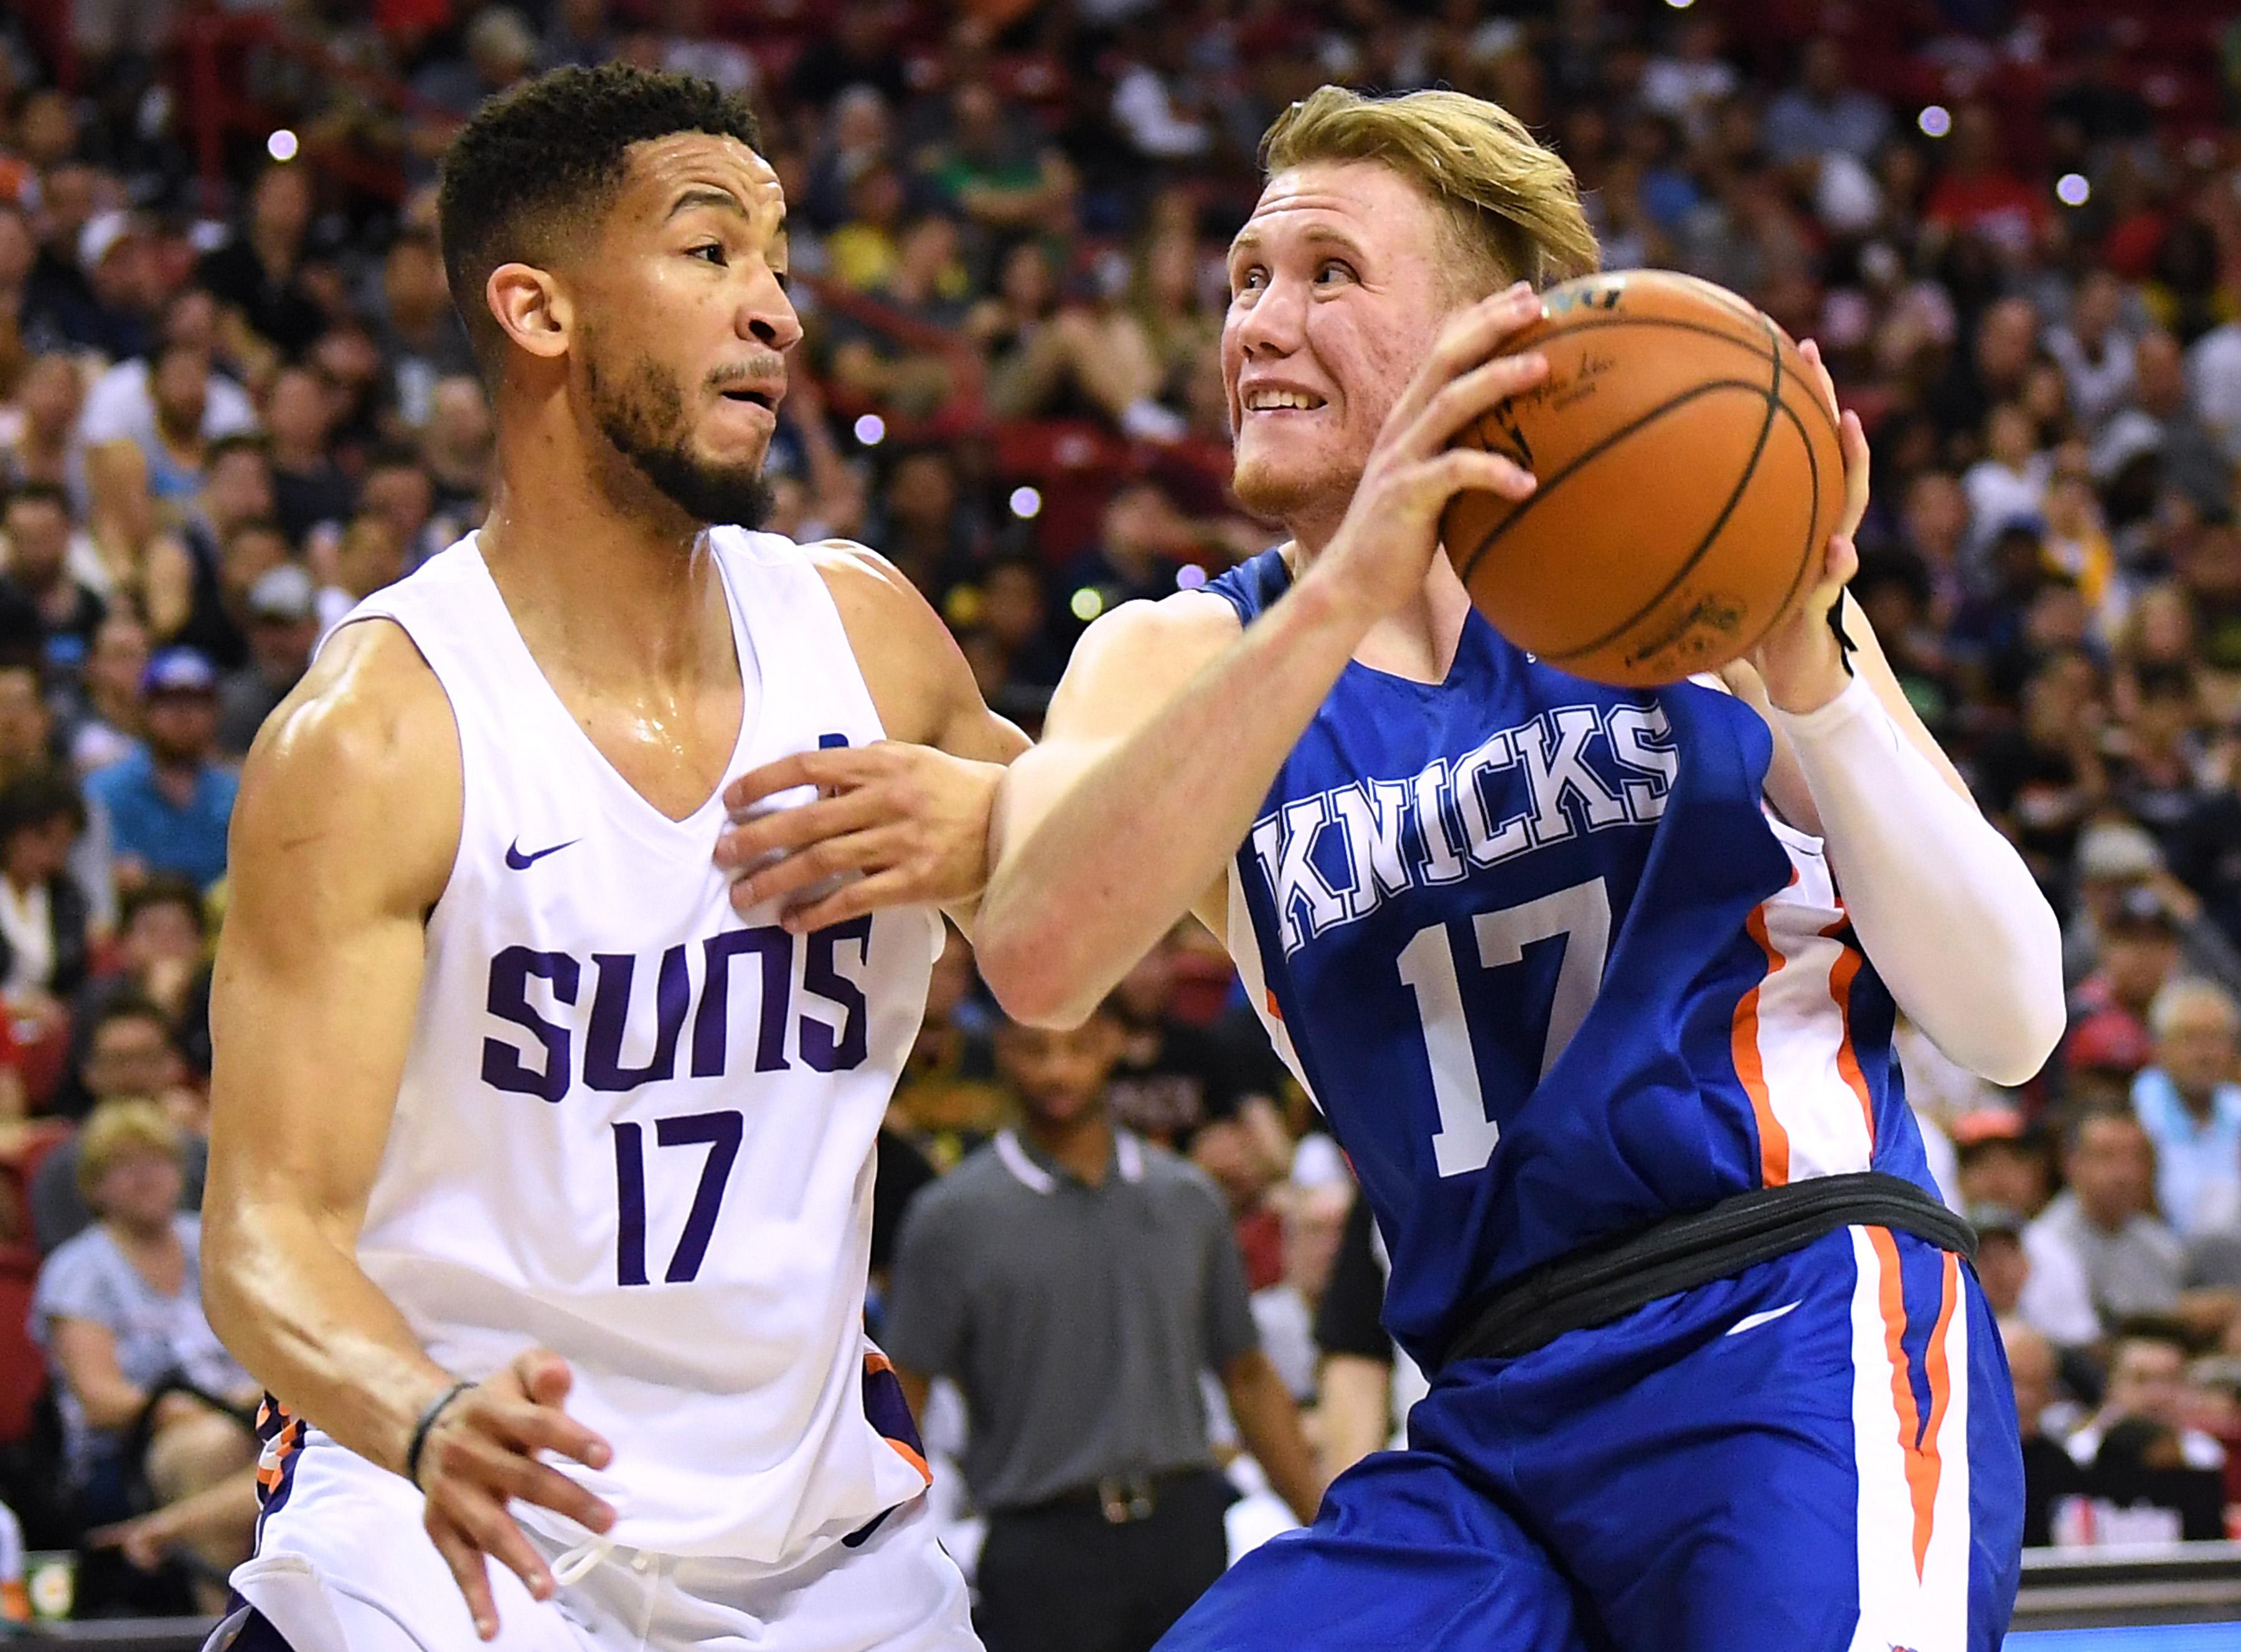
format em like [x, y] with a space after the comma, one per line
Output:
[179, 670]
[1987, 1124]
[2116, 851]
[2108, 1043]
[102, 232]
[283, 594]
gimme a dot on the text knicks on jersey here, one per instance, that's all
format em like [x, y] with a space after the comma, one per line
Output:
[1335, 856]
[757, 997]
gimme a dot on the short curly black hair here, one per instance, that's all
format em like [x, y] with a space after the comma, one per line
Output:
[541, 159]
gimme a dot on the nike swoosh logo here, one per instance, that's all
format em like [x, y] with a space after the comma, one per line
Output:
[520, 862]
[1752, 1321]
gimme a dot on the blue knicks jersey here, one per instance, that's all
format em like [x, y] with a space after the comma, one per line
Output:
[1548, 965]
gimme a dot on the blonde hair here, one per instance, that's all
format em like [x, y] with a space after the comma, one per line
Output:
[1512, 206]
[117, 1129]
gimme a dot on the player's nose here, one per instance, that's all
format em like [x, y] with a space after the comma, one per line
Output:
[767, 317]
[1273, 325]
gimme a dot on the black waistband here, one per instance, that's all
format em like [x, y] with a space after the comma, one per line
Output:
[1597, 1286]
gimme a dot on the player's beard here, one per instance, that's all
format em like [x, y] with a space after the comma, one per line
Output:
[644, 417]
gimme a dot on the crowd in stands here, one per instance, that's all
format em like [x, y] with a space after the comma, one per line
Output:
[235, 400]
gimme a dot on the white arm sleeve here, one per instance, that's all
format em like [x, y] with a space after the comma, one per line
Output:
[1944, 907]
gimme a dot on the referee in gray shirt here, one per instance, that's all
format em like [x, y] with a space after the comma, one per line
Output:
[1074, 1282]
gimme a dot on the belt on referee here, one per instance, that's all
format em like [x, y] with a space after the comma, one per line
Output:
[1118, 1500]
[1608, 1281]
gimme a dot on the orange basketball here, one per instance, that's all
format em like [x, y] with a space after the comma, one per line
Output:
[1690, 478]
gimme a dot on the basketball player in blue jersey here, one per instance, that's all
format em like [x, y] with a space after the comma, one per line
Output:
[1595, 986]
[541, 1167]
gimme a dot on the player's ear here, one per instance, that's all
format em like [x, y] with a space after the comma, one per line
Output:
[530, 306]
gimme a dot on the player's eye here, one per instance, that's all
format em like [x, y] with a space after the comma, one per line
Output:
[711, 251]
[1338, 267]
[784, 280]
[1250, 280]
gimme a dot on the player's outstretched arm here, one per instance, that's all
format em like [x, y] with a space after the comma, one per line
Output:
[904, 822]
[1169, 727]
[343, 839]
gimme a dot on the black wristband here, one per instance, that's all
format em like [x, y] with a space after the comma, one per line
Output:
[436, 1408]
[1845, 645]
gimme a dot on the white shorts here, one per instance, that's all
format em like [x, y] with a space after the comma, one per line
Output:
[344, 1565]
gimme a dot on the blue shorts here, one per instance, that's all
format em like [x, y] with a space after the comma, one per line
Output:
[1817, 1455]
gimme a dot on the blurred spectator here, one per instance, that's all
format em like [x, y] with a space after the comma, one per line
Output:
[113, 311]
[259, 275]
[1822, 113]
[501, 49]
[146, 1391]
[2150, 1476]
[1171, 1077]
[2163, 422]
[309, 489]
[178, 386]
[44, 916]
[395, 487]
[1018, 1276]
[26, 725]
[106, 717]
[948, 1102]
[456, 449]
[37, 520]
[2051, 1475]
[121, 406]
[2002, 1163]
[2213, 377]
[2109, 1011]
[2095, 354]
[195, 610]
[129, 1055]
[283, 625]
[993, 168]
[2009, 483]
[2190, 1101]
[2097, 1253]
[41, 442]
[169, 802]
[2002, 1265]
[368, 557]
[1980, 194]
[422, 340]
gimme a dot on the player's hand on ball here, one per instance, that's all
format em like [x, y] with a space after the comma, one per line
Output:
[1377, 559]
[482, 1452]
[1799, 659]
[903, 824]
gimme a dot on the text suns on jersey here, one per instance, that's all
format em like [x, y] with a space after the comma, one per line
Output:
[1332, 857]
[810, 1010]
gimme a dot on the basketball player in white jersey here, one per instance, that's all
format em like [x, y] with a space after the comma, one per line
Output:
[540, 1179]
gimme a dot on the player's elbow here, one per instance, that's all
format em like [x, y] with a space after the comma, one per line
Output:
[2012, 1043]
[2023, 1045]
[1026, 966]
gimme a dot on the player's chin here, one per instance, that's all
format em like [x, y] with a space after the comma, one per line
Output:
[1274, 474]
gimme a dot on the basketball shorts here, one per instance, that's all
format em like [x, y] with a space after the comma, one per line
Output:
[344, 1565]
[1818, 1454]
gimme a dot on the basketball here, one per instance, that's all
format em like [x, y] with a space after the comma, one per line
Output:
[1689, 479]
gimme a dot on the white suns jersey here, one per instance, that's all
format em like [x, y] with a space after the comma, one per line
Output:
[635, 1127]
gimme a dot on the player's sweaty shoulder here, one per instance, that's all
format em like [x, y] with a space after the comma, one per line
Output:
[356, 774]
[909, 659]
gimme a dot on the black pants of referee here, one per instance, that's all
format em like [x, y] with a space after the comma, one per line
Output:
[1061, 1578]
